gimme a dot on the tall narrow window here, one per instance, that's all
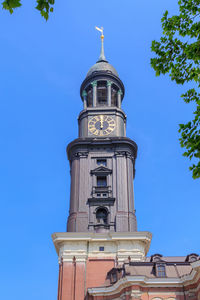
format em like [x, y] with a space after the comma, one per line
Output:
[113, 277]
[89, 97]
[101, 181]
[114, 96]
[161, 271]
[102, 93]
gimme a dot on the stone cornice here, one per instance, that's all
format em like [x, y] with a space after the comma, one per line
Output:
[92, 236]
[143, 237]
[83, 144]
[109, 110]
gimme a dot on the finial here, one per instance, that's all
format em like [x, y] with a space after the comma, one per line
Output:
[102, 56]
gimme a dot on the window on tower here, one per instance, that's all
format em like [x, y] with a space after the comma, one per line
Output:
[89, 96]
[114, 95]
[101, 162]
[101, 93]
[101, 181]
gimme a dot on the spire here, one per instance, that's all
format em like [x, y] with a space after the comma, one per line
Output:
[102, 56]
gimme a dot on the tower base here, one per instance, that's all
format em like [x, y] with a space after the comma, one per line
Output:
[86, 258]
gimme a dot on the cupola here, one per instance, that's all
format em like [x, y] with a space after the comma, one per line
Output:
[102, 85]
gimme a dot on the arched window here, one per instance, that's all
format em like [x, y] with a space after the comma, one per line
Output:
[102, 216]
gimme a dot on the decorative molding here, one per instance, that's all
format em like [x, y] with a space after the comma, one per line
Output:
[120, 153]
[124, 153]
[101, 201]
[83, 154]
[101, 171]
[89, 142]
[119, 245]
[84, 93]
[136, 294]
[94, 83]
[130, 155]
[109, 82]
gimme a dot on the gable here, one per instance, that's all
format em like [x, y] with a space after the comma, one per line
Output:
[101, 171]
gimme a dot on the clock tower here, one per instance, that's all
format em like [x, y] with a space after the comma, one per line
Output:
[102, 158]
[101, 227]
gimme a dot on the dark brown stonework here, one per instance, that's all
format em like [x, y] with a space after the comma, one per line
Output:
[116, 197]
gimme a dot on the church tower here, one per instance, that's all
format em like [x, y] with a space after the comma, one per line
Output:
[101, 227]
[102, 159]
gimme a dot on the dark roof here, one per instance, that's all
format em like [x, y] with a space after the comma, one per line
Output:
[173, 259]
[172, 270]
[174, 267]
[102, 66]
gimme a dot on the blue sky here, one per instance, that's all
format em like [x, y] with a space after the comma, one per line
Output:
[42, 68]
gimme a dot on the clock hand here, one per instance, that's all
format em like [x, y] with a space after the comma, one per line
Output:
[101, 122]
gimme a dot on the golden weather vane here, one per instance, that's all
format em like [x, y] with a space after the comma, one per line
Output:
[101, 30]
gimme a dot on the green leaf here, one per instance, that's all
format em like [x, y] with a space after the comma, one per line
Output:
[11, 4]
[45, 7]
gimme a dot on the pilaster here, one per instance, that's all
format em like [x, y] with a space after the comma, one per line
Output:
[84, 95]
[94, 86]
[109, 84]
[119, 98]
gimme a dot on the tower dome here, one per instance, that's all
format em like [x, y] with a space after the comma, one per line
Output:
[101, 74]
[102, 66]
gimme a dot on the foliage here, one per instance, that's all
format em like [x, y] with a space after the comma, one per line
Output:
[11, 4]
[44, 6]
[178, 54]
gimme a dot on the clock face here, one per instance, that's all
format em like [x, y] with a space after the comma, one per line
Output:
[101, 125]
